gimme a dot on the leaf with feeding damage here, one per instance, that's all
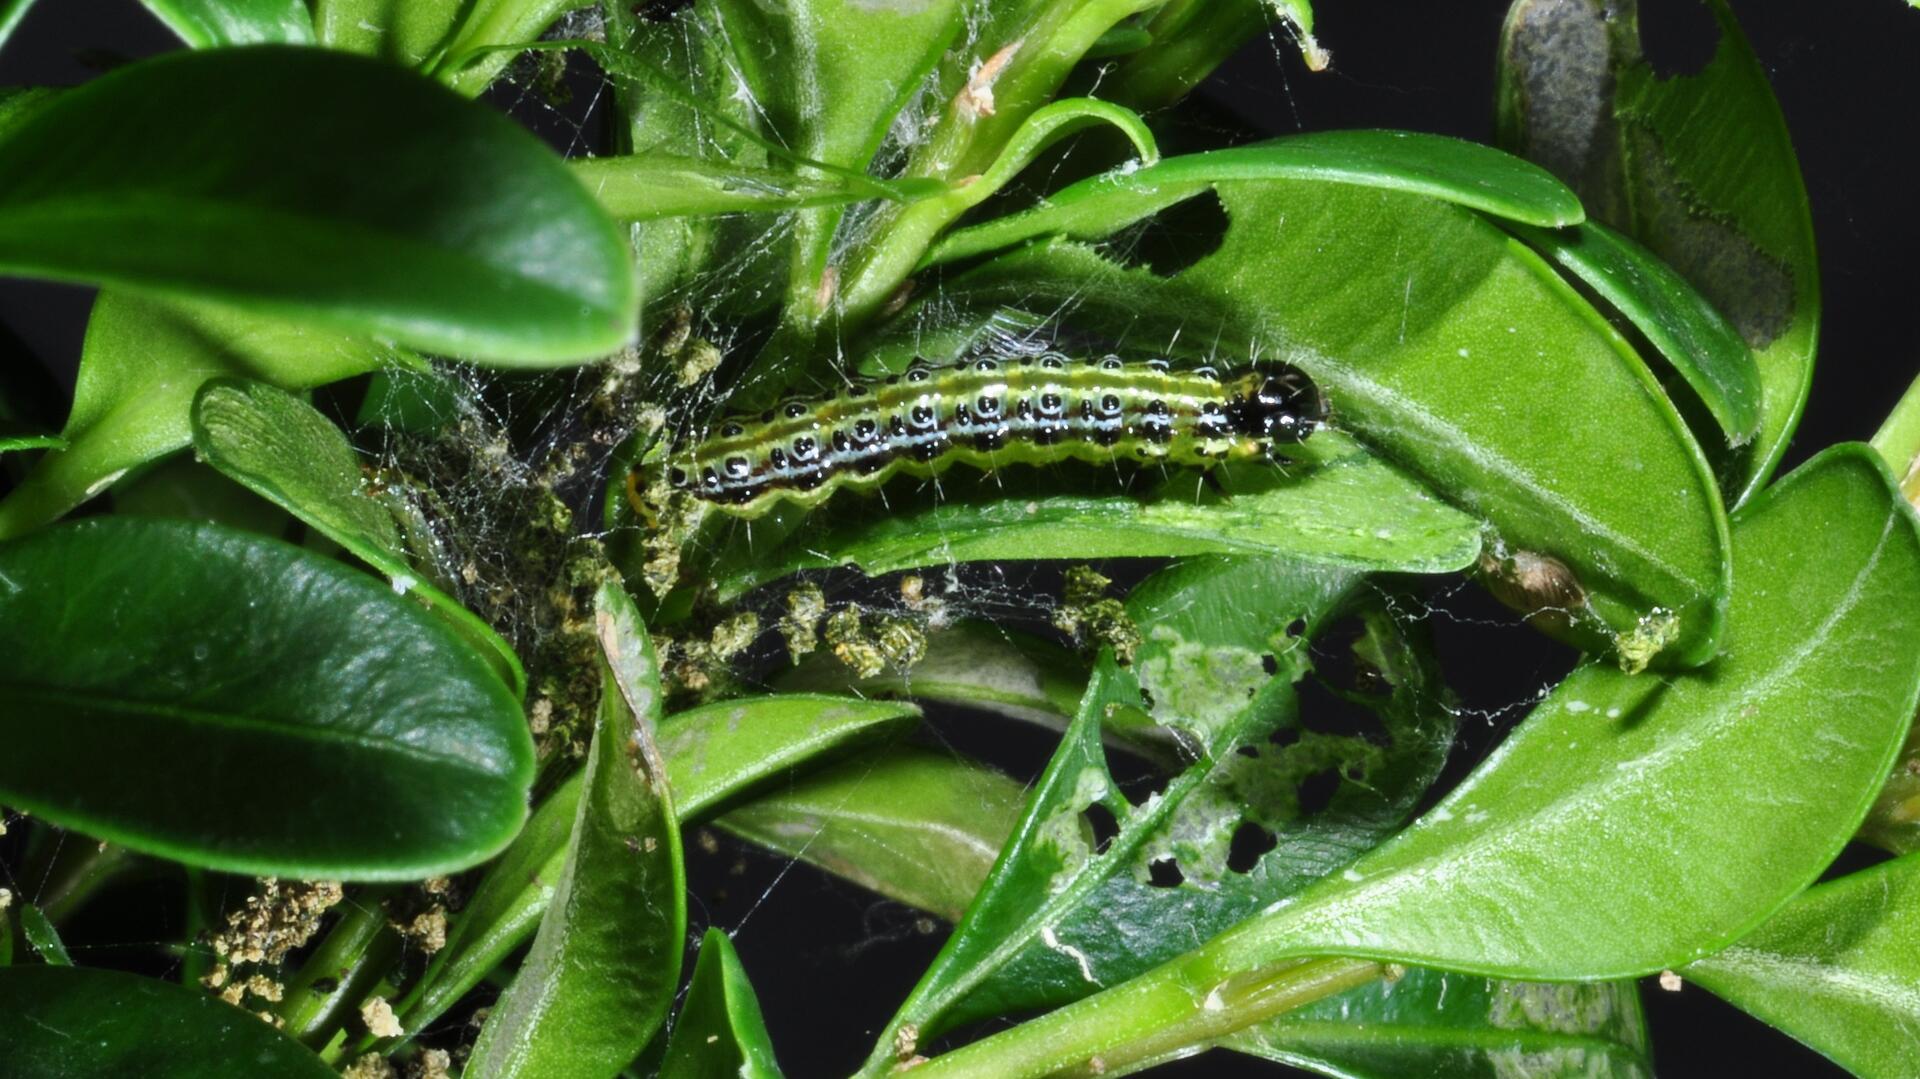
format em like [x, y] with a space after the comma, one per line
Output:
[1698, 167]
[1067, 910]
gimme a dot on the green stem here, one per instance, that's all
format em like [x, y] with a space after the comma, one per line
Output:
[915, 227]
[1898, 441]
[1189, 1002]
[1012, 83]
[348, 962]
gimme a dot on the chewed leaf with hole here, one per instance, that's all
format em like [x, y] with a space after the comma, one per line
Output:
[1696, 166]
[1457, 1026]
[1457, 353]
[1084, 890]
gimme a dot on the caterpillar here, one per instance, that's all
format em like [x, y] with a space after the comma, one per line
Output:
[989, 413]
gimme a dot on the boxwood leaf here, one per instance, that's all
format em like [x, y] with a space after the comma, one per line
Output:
[1460, 355]
[1059, 919]
[713, 754]
[284, 450]
[719, 1033]
[1702, 347]
[141, 364]
[606, 960]
[1458, 1026]
[1697, 167]
[1641, 780]
[1836, 968]
[392, 208]
[207, 23]
[1571, 854]
[42, 937]
[1451, 169]
[234, 702]
[1336, 504]
[68, 1021]
[913, 825]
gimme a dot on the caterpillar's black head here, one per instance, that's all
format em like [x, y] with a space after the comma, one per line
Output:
[1278, 402]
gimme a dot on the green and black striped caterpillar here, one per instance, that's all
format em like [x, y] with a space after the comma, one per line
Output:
[990, 413]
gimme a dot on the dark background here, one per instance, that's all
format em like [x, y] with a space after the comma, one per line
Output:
[829, 960]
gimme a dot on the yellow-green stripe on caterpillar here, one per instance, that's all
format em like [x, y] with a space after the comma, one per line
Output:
[990, 413]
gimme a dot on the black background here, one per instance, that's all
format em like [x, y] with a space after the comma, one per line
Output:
[830, 960]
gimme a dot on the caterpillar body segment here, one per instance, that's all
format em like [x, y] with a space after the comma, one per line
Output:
[990, 413]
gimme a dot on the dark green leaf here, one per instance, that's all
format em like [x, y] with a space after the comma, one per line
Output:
[1337, 505]
[1454, 350]
[915, 826]
[1457, 1026]
[392, 208]
[207, 23]
[719, 1033]
[1701, 346]
[713, 753]
[605, 963]
[1837, 969]
[233, 702]
[42, 937]
[1450, 169]
[1697, 167]
[141, 364]
[283, 449]
[69, 1023]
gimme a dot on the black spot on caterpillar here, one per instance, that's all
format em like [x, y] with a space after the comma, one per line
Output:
[991, 413]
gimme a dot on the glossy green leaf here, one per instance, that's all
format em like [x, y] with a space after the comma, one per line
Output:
[42, 937]
[142, 363]
[1697, 167]
[1636, 779]
[1836, 968]
[714, 753]
[64, 1022]
[913, 825]
[1187, 41]
[1457, 1026]
[1573, 852]
[606, 960]
[1450, 348]
[393, 208]
[719, 1033]
[1449, 169]
[1059, 919]
[1706, 351]
[1337, 505]
[178, 688]
[640, 187]
[204, 24]
[284, 450]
